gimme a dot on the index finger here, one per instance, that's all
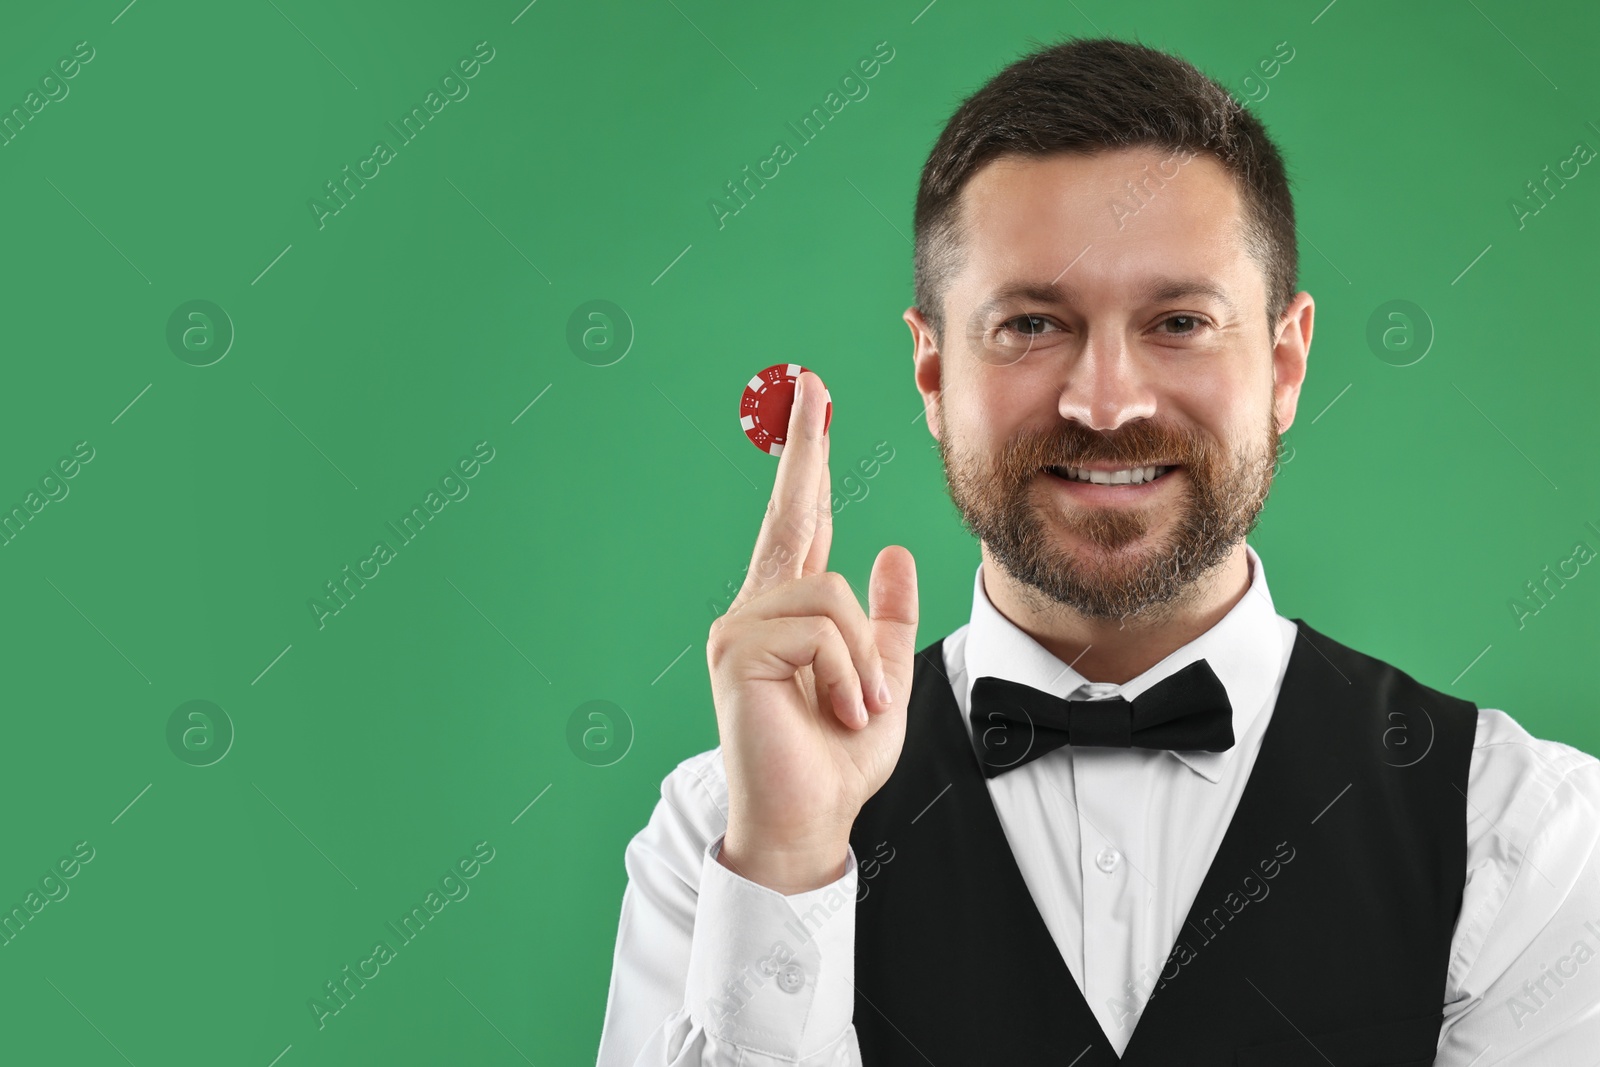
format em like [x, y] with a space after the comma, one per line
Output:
[790, 524]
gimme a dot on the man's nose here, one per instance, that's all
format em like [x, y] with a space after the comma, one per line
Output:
[1105, 385]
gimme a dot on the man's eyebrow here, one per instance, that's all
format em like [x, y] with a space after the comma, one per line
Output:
[1156, 290]
[1163, 289]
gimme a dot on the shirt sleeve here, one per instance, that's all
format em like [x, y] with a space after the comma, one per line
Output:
[711, 969]
[1524, 978]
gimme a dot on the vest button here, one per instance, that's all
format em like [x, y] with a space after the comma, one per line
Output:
[1107, 859]
[791, 978]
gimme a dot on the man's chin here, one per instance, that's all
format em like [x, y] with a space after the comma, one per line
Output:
[1109, 569]
[1139, 544]
[1098, 583]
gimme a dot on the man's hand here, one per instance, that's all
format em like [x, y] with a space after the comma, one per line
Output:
[796, 667]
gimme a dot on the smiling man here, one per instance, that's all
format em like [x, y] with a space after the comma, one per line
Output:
[1118, 387]
[1128, 813]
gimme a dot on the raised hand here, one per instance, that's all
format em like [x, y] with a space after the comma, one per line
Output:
[796, 669]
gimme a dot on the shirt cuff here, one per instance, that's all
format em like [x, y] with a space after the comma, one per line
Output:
[769, 972]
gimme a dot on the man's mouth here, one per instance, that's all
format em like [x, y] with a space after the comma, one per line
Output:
[1127, 476]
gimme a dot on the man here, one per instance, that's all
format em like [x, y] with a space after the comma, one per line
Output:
[1128, 813]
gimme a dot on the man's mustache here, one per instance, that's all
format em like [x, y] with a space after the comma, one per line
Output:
[1139, 444]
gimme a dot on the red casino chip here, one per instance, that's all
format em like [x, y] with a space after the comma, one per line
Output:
[764, 408]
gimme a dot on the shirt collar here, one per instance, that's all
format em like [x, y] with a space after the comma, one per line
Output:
[1244, 648]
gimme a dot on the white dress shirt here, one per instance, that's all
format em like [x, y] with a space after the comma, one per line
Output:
[714, 970]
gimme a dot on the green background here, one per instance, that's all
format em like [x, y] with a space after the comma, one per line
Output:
[588, 559]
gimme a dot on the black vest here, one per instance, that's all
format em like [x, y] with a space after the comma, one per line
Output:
[1321, 932]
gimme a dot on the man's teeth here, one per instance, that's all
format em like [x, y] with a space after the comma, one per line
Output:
[1131, 476]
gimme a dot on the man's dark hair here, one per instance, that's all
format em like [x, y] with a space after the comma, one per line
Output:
[1089, 95]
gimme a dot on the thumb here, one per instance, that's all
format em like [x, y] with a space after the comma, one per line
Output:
[892, 603]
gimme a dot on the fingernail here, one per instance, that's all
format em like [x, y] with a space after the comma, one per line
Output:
[883, 691]
[799, 385]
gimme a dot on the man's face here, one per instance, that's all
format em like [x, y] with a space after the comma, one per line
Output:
[1118, 359]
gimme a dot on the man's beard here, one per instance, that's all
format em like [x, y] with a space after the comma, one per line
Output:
[1003, 505]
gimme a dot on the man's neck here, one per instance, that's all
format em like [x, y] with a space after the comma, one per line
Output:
[1118, 650]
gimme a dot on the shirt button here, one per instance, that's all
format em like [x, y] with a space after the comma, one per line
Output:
[791, 978]
[1107, 859]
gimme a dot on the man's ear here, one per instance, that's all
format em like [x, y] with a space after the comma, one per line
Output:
[1289, 353]
[928, 371]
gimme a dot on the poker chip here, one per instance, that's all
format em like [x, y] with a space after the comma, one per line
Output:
[764, 408]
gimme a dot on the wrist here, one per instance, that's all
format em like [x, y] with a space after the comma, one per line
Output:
[785, 869]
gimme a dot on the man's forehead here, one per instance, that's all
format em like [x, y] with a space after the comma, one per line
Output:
[1165, 224]
[1072, 173]
[1115, 193]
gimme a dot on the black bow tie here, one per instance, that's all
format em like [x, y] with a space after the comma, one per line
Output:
[1014, 723]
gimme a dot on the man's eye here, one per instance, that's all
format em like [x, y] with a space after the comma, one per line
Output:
[1033, 325]
[1193, 325]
